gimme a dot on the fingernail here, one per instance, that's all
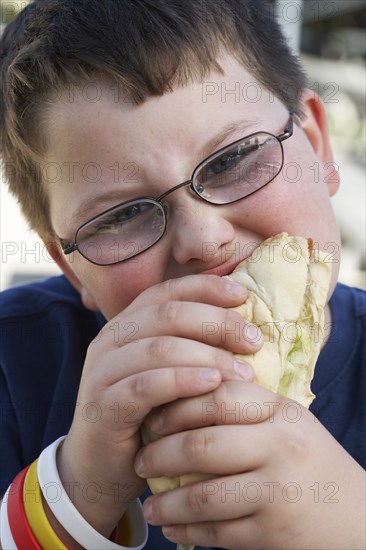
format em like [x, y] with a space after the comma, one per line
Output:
[235, 289]
[156, 422]
[209, 375]
[253, 334]
[168, 531]
[244, 370]
[139, 466]
[147, 510]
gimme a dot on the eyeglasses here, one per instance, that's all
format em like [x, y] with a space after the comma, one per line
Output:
[228, 175]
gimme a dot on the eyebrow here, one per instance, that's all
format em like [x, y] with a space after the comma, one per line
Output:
[109, 199]
[116, 195]
[228, 130]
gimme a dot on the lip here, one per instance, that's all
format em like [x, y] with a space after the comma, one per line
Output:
[224, 269]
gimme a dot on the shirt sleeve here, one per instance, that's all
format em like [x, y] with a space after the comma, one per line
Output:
[10, 448]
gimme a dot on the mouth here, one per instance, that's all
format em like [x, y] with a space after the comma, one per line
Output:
[226, 268]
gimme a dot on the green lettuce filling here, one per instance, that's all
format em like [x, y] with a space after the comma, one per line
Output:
[297, 357]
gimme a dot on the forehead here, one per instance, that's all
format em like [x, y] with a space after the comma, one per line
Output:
[86, 107]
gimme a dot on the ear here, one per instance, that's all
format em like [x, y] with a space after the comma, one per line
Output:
[60, 259]
[316, 129]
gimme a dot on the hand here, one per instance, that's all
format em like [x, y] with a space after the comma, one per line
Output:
[170, 356]
[279, 479]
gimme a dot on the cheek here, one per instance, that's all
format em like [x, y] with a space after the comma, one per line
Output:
[296, 202]
[113, 288]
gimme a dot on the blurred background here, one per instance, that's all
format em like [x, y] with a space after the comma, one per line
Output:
[329, 37]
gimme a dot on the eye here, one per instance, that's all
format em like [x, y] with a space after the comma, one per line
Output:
[113, 220]
[229, 160]
[222, 164]
[125, 214]
[129, 212]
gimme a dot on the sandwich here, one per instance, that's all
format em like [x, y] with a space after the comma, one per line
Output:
[288, 284]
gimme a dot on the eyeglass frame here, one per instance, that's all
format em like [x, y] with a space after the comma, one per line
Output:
[69, 247]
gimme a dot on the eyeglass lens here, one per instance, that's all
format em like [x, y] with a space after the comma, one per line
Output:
[240, 170]
[122, 233]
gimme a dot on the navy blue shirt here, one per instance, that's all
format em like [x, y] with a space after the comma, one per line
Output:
[45, 331]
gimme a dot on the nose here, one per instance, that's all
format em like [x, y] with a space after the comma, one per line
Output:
[198, 227]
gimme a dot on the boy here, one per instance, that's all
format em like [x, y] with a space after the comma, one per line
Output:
[120, 101]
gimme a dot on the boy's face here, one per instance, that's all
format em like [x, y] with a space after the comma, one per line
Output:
[109, 151]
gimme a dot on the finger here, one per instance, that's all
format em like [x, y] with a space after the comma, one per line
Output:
[206, 289]
[233, 402]
[216, 450]
[206, 323]
[239, 534]
[219, 499]
[155, 387]
[171, 352]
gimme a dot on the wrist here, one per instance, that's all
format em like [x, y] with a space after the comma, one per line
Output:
[39, 518]
[72, 520]
[102, 506]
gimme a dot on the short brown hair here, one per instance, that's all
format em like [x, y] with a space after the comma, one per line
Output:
[144, 46]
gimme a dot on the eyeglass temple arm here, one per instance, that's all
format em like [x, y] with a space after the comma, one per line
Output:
[288, 131]
[67, 248]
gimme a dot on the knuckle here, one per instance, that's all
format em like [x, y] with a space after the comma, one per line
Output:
[168, 312]
[231, 317]
[179, 379]
[159, 348]
[140, 386]
[196, 445]
[212, 533]
[220, 360]
[295, 446]
[195, 501]
[170, 287]
[231, 324]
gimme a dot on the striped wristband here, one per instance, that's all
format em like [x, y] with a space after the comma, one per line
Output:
[6, 538]
[20, 529]
[71, 519]
[35, 513]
